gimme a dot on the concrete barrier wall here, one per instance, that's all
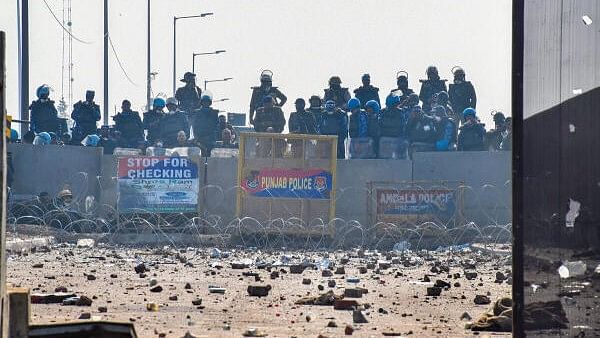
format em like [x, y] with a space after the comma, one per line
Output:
[51, 168]
[486, 178]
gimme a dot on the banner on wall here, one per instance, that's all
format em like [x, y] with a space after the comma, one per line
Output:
[288, 183]
[410, 204]
[157, 184]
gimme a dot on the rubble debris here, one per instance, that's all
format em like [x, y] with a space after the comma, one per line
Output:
[85, 243]
[78, 301]
[252, 332]
[482, 300]
[216, 289]
[348, 330]
[353, 293]
[259, 290]
[297, 268]
[156, 288]
[152, 307]
[358, 317]
[141, 268]
[340, 270]
[197, 302]
[326, 299]
[52, 298]
[345, 304]
[434, 291]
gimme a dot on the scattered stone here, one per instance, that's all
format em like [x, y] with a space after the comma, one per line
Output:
[465, 316]
[197, 302]
[382, 311]
[332, 323]
[252, 332]
[326, 273]
[157, 288]
[55, 298]
[306, 281]
[434, 291]
[482, 300]
[470, 275]
[384, 265]
[345, 304]
[187, 286]
[362, 269]
[37, 266]
[340, 270]
[331, 283]
[113, 275]
[348, 330]
[152, 307]
[442, 284]
[173, 297]
[216, 289]
[78, 301]
[328, 298]
[353, 293]
[153, 282]
[259, 290]
[85, 315]
[141, 268]
[296, 268]
[85, 243]
[91, 277]
[274, 274]
[358, 317]
[60, 289]
[500, 277]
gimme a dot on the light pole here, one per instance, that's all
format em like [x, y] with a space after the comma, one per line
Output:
[207, 53]
[218, 80]
[175, 18]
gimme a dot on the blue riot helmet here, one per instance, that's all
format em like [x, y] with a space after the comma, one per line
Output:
[43, 92]
[91, 140]
[469, 112]
[373, 105]
[392, 100]
[158, 103]
[353, 103]
[42, 138]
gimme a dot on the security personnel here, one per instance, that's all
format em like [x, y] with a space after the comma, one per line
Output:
[393, 119]
[172, 122]
[472, 133]
[265, 89]
[402, 82]
[315, 106]
[302, 121]
[431, 86]
[44, 116]
[445, 128]
[461, 92]
[129, 124]
[366, 92]
[152, 120]
[269, 118]
[335, 122]
[85, 114]
[205, 123]
[336, 93]
[188, 95]
[363, 124]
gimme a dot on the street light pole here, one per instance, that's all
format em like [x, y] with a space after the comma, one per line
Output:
[218, 80]
[197, 54]
[175, 18]
[148, 71]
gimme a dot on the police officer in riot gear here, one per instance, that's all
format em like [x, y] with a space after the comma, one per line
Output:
[315, 107]
[366, 92]
[336, 93]
[445, 129]
[188, 95]
[269, 118]
[44, 116]
[172, 122]
[205, 123]
[393, 125]
[461, 92]
[265, 89]
[335, 122]
[402, 82]
[129, 124]
[302, 121]
[85, 114]
[431, 86]
[472, 133]
[152, 120]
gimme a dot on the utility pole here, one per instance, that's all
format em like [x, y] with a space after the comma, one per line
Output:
[106, 62]
[148, 71]
[23, 16]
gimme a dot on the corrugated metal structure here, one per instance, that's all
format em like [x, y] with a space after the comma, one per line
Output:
[560, 169]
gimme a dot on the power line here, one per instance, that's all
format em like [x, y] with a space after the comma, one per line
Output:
[61, 25]
[119, 61]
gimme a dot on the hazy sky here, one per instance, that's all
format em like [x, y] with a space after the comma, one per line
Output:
[302, 42]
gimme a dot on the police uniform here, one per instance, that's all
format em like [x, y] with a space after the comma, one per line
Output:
[339, 95]
[85, 114]
[259, 93]
[44, 116]
[130, 125]
[189, 98]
